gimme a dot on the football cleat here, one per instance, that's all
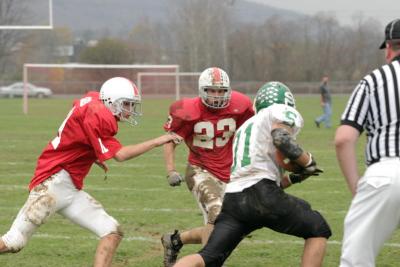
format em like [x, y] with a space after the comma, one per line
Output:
[172, 244]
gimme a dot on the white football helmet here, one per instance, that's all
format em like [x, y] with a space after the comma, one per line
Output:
[217, 79]
[122, 98]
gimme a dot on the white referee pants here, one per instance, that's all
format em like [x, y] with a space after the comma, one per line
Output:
[374, 214]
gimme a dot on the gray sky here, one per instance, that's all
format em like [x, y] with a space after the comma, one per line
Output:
[382, 10]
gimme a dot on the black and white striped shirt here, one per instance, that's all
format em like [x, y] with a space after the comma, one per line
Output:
[374, 106]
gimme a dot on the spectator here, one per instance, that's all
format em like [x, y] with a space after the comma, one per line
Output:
[326, 104]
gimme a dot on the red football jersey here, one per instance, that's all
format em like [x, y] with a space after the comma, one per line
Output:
[208, 133]
[87, 134]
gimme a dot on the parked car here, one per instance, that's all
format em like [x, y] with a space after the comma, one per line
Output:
[17, 90]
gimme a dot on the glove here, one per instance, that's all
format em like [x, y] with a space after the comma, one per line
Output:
[310, 170]
[174, 178]
[295, 178]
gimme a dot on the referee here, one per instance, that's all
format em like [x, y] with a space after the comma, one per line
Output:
[374, 106]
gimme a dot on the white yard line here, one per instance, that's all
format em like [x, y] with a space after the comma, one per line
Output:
[161, 210]
[162, 187]
[156, 240]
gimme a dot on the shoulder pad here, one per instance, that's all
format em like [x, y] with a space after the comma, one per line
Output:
[286, 115]
[240, 102]
[185, 109]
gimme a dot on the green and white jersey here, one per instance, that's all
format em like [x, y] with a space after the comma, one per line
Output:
[253, 149]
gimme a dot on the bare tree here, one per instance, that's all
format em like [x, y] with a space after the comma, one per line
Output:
[201, 29]
[10, 14]
[146, 41]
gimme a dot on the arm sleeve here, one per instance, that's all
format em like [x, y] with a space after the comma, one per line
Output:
[100, 131]
[357, 107]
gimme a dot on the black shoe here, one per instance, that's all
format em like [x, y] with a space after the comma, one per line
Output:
[317, 123]
[172, 244]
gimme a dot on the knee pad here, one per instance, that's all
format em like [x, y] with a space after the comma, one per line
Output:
[14, 240]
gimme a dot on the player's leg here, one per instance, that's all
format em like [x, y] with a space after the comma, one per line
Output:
[287, 214]
[373, 215]
[106, 249]
[20, 232]
[43, 201]
[314, 251]
[90, 214]
[208, 192]
[193, 260]
[327, 115]
[227, 234]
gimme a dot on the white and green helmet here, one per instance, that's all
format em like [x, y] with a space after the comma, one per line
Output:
[273, 93]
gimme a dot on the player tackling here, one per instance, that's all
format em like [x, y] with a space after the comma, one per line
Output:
[85, 137]
[207, 124]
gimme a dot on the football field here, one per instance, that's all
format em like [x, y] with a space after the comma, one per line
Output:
[136, 193]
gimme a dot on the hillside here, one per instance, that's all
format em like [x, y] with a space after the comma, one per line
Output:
[115, 17]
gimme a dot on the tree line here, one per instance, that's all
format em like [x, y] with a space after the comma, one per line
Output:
[203, 33]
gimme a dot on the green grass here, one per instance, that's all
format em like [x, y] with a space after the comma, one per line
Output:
[137, 195]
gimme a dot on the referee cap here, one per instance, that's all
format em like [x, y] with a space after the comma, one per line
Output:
[392, 32]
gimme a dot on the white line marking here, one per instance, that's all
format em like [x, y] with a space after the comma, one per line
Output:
[162, 188]
[156, 240]
[12, 187]
[163, 210]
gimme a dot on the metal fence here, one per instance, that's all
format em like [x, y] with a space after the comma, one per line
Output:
[188, 87]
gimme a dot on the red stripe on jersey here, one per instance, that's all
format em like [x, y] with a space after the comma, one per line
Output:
[216, 75]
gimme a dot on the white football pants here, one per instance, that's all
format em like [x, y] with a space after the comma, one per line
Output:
[58, 194]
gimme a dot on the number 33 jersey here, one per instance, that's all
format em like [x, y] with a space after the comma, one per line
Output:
[253, 149]
[208, 133]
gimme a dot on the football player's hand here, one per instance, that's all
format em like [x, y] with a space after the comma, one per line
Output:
[311, 168]
[166, 138]
[174, 178]
[102, 165]
[176, 138]
[295, 178]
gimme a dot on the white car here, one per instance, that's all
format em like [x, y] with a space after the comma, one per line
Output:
[17, 90]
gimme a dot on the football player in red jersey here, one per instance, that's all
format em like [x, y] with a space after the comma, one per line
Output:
[85, 137]
[207, 124]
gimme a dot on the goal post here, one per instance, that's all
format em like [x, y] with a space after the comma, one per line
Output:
[191, 82]
[78, 76]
